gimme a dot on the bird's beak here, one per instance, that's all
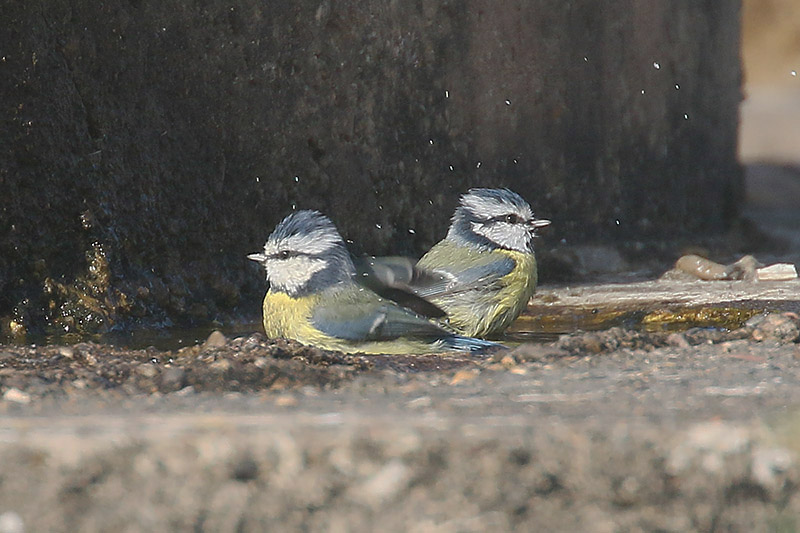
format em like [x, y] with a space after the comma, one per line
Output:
[257, 257]
[538, 223]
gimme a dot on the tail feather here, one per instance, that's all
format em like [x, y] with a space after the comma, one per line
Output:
[458, 343]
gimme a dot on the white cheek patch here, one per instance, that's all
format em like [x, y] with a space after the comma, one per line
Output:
[292, 274]
[505, 235]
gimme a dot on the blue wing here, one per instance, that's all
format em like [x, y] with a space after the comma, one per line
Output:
[484, 269]
[357, 314]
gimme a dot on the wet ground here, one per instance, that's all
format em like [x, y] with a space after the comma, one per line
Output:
[644, 424]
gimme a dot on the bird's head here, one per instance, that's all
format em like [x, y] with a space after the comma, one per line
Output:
[305, 253]
[495, 218]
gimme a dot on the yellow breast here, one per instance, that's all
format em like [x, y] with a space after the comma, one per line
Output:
[289, 317]
[516, 289]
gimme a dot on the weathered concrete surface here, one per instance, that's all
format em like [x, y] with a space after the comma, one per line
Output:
[418, 471]
[147, 147]
[617, 430]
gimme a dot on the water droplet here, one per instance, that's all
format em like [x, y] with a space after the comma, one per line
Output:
[677, 87]
[294, 206]
[430, 141]
[446, 93]
[515, 161]
[297, 179]
[478, 165]
[430, 202]
[411, 231]
[586, 59]
[642, 91]
[617, 221]
[794, 73]
[508, 102]
[685, 116]
[378, 226]
[656, 65]
[258, 179]
[450, 167]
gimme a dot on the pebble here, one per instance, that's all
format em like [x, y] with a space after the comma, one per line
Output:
[678, 340]
[286, 400]
[530, 351]
[384, 484]
[701, 267]
[222, 365]
[17, 396]
[777, 272]
[779, 327]
[172, 379]
[11, 522]
[464, 375]
[216, 340]
[66, 351]
[147, 370]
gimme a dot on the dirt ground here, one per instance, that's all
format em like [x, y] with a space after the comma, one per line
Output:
[621, 429]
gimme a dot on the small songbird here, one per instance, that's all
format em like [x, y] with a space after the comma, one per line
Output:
[483, 273]
[313, 297]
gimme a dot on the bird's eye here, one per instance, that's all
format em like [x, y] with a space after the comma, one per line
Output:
[512, 218]
[284, 254]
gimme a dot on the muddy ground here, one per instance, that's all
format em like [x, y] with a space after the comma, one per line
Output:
[628, 428]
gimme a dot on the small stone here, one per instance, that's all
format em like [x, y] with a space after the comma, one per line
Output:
[286, 400]
[508, 361]
[216, 340]
[464, 375]
[678, 340]
[777, 327]
[11, 522]
[17, 396]
[777, 272]
[66, 351]
[186, 391]
[382, 486]
[222, 365]
[172, 379]
[147, 370]
[701, 268]
[530, 351]
[593, 343]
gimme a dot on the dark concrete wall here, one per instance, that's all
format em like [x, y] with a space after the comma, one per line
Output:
[146, 147]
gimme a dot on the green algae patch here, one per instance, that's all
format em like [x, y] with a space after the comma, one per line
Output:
[548, 321]
[680, 318]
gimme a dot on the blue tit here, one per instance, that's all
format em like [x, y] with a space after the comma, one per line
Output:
[483, 273]
[313, 297]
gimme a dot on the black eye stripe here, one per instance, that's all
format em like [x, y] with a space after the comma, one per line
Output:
[285, 254]
[288, 254]
[509, 218]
